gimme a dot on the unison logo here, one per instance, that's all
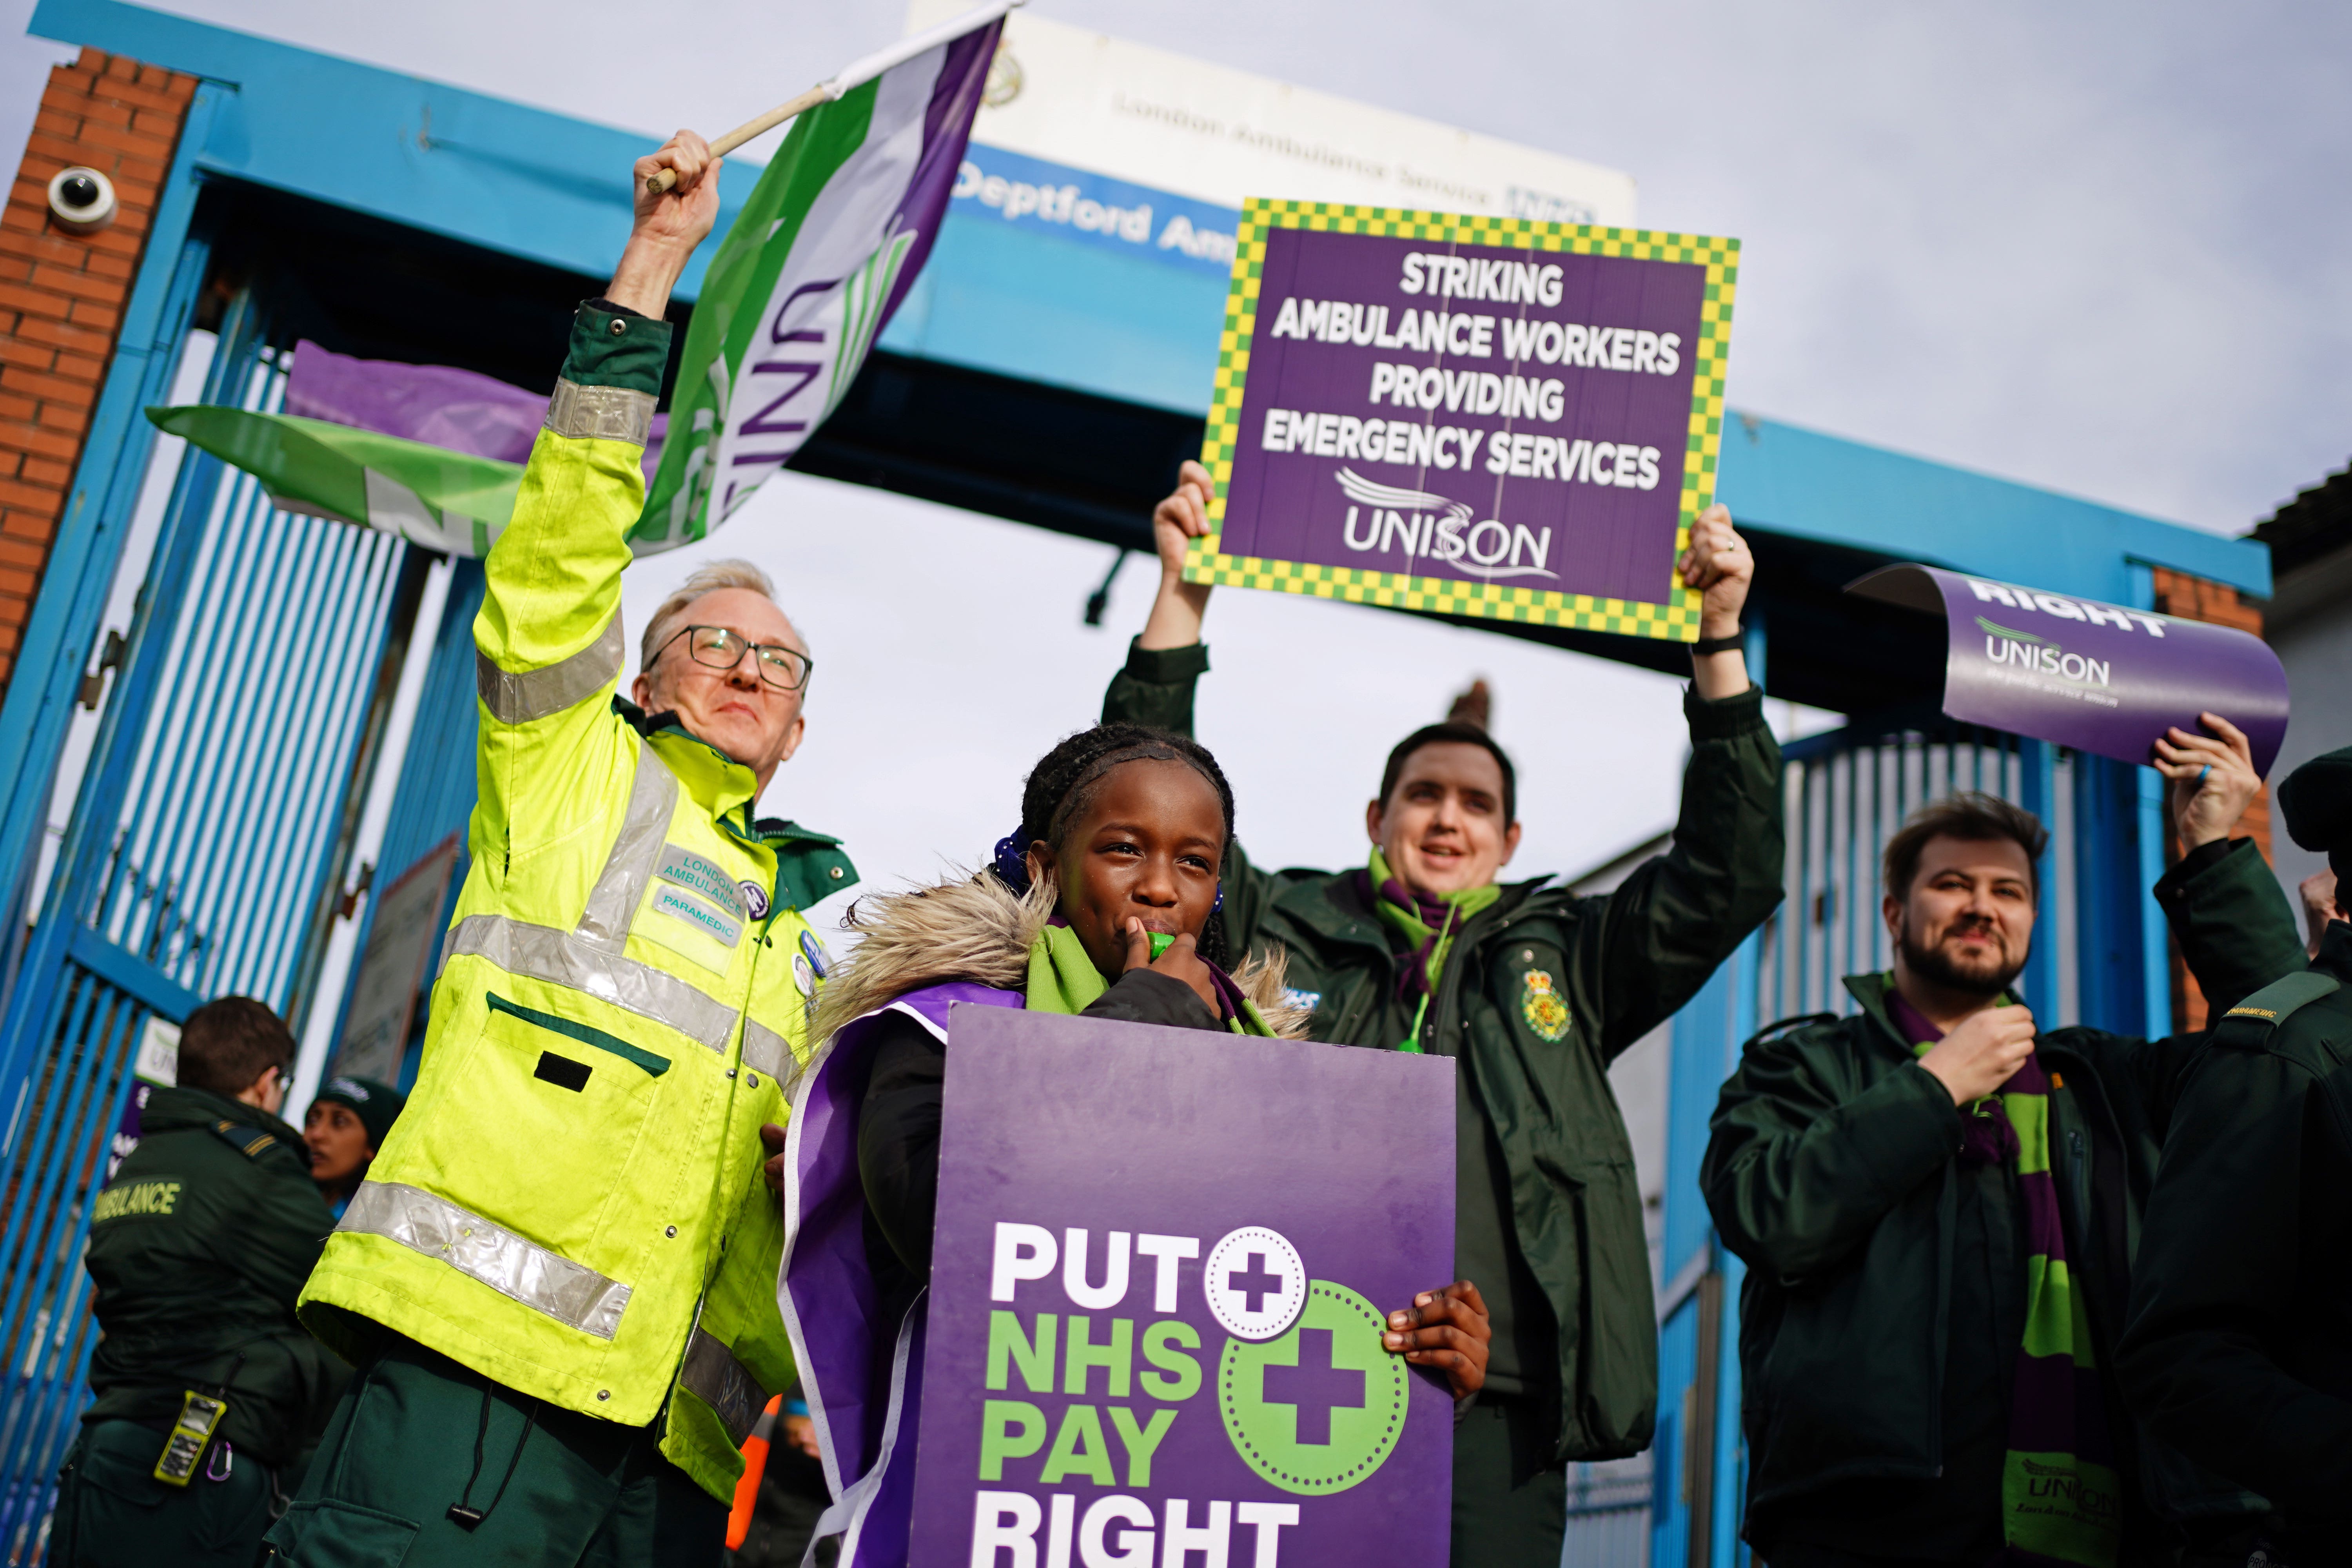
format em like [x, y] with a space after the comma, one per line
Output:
[1423, 525]
[2003, 646]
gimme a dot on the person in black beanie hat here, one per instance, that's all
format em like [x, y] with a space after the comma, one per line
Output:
[2316, 799]
[2239, 1349]
[344, 1128]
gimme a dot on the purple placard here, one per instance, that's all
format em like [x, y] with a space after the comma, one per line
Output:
[1310, 1184]
[1471, 413]
[2098, 677]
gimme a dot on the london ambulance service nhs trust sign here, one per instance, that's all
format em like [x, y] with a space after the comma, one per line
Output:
[1474, 415]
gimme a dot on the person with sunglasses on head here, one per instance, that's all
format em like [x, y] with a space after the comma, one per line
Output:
[558, 1279]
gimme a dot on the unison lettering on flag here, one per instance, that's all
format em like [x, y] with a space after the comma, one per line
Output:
[819, 259]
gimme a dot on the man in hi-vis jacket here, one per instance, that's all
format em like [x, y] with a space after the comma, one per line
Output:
[559, 1279]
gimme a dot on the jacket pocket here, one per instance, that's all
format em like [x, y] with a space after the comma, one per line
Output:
[580, 1034]
[1616, 1362]
[341, 1535]
[537, 1120]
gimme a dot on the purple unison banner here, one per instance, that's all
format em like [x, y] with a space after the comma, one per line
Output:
[1478, 415]
[1161, 1268]
[2098, 677]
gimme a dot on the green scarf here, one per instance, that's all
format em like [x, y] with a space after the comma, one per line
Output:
[2061, 1497]
[1427, 923]
[1063, 979]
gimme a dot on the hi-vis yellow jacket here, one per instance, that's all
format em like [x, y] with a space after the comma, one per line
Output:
[572, 1203]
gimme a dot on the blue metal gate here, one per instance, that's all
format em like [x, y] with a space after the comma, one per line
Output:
[205, 856]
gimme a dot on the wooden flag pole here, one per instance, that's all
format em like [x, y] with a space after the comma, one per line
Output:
[856, 74]
[822, 93]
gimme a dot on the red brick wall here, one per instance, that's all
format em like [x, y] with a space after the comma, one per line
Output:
[2196, 599]
[62, 297]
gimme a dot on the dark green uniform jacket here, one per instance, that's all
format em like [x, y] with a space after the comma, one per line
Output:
[2239, 1351]
[198, 1247]
[1546, 1196]
[1831, 1172]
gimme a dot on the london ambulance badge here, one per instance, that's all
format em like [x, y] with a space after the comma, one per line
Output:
[1541, 1006]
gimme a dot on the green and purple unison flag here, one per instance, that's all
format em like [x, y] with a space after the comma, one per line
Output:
[815, 263]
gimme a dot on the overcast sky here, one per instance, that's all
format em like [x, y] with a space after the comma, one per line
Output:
[2099, 247]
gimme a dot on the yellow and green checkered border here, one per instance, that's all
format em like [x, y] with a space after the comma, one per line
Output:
[1674, 619]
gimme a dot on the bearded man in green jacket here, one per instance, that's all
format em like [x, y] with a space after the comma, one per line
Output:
[1938, 1200]
[1534, 991]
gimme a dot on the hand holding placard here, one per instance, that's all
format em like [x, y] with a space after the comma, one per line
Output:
[1446, 1331]
[2212, 780]
[1181, 518]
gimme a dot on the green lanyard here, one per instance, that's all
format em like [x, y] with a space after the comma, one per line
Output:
[1411, 1042]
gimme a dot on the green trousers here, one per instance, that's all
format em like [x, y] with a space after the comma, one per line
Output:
[112, 1512]
[428, 1463]
[1510, 1501]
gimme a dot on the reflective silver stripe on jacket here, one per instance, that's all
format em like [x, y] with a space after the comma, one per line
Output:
[637, 850]
[712, 1374]
[560, 958]
[518, 698]
[764, 1050]
[571, 1293]
[600, 412]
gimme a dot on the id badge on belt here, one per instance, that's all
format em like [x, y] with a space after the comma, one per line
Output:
[200, 1417]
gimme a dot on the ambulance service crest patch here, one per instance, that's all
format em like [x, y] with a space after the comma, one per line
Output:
[1541, 1005]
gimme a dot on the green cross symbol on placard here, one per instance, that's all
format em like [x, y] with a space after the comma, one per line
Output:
[1317, 1408]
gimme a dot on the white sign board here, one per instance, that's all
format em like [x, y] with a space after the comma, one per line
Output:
[1090, 102]
[158, 1061]
[400, 944]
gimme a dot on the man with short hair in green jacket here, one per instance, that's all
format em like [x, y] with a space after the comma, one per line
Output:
[198, 1244]
[1535, 991]
[1937, 1204]
[558, 1277]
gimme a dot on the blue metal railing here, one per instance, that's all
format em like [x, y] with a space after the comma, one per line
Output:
[210, 828]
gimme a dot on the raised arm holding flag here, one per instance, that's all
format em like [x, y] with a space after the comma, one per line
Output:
[564, 1249]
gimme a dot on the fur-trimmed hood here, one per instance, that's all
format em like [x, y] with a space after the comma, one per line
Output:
[977, 929]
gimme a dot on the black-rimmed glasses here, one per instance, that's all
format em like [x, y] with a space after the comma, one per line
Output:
[716, 648]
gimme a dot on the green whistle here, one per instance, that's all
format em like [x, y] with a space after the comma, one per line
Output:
[1161, 943]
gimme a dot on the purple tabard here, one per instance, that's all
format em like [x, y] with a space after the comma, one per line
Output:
[2098, 677]
[861, 1370]
[1534, 440]
[1159, 1268]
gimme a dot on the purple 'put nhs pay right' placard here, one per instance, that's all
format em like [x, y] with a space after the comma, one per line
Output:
[1160, 1269]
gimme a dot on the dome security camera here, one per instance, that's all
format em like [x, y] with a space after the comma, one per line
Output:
[81, 200]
